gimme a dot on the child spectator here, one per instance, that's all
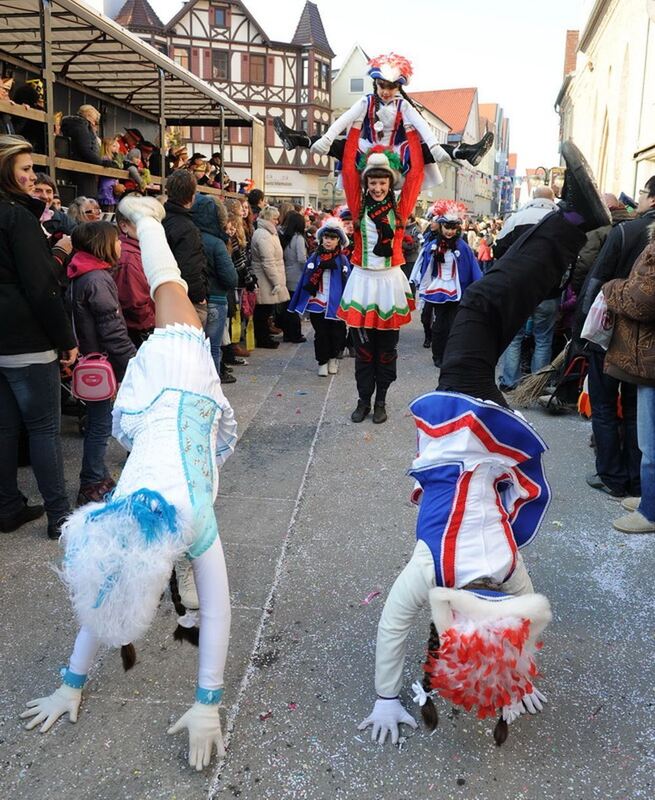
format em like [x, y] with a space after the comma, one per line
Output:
[133, 290]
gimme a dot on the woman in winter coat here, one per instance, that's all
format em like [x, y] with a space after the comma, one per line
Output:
[100, 328]
[292, 237]
[446, 267]
[268, 265]
[35, 334]
[210, 216]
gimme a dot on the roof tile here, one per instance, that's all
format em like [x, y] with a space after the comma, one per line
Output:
[138, 14]
[452, 105]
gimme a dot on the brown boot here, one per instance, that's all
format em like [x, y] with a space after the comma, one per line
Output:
[240, 351]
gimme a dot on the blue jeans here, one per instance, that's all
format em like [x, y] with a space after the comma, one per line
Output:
[214, 328]
[544, 318]
[646, 438]
[31, 395]
[96, 439]
[617, 451]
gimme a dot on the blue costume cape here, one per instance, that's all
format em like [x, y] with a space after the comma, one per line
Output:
[303, 301]
[468, 269]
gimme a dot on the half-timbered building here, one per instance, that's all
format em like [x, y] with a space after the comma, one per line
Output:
[222, 43]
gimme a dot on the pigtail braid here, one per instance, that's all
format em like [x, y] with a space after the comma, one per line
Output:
[429, 710]
[181, 633]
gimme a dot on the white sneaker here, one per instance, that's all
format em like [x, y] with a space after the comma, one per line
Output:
[323, 370]
[333, 366]
[186, 584]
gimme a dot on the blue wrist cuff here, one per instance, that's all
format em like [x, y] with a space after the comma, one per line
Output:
[208, 697]
[72, 679]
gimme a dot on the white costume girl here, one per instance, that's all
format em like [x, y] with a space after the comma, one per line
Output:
[170, 412]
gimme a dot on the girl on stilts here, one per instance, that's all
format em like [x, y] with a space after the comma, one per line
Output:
[170, 412]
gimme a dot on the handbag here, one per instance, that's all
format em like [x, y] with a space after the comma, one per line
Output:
[93, 378]
[599, 323]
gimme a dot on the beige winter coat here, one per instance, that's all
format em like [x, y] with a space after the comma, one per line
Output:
[267, 260]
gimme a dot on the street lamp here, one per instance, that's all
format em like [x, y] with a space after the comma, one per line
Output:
[327, 185]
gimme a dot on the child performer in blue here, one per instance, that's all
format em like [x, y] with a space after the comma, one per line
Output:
[446, 266]
[170, 412]
[319, 293]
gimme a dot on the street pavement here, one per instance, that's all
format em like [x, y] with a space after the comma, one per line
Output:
[315, 519]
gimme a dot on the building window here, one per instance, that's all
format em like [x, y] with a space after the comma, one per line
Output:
[324, 76]
[219, 17]
[304, 125]
[357, 85]
[182, 56]
[305, 72]
[257, 68]
[220, 65]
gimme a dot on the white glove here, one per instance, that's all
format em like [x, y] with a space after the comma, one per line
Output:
[439, 154]
[512, 712]
[386, 716]
[534, 702]
[321, 147]
[136, 208]
[204, 726]
[277, 288]
[65, 700]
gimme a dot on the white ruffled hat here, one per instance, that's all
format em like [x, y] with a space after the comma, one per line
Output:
[378, 157]
[334, 226]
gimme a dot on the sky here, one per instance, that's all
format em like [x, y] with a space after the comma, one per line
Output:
[511, 50]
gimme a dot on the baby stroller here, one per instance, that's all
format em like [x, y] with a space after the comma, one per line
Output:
[70, 405]
[567, 380]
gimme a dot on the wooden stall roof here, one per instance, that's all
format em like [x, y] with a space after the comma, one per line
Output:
[91, 51]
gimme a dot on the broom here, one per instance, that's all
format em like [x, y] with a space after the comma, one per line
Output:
[529, 389]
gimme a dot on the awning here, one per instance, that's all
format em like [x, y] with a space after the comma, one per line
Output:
[91, 51]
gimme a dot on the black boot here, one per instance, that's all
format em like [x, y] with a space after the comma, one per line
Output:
[290, 138]
[580, 195]
[361, 412]
[474, 153]
[379, 413]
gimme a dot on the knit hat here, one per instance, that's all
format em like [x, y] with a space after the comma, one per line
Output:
[390, 67]
[379, 158]
[447, 211]
[343, 213]
[332, 225]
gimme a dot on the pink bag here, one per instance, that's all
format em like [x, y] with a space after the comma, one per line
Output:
[93, 378]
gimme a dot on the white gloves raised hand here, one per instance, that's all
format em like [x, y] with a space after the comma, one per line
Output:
[387, 715]
[136, 208]
[204, 726]
[439, 154]
[321, 147]
[65, 700]
[531, 703]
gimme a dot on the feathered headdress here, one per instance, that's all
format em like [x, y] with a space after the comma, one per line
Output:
[447, 211]
[391, 67]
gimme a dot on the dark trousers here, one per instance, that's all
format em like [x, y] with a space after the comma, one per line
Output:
[329, 337]
[494, 309]
[427, 318]
[375, 362]
[618, 458]
[96, 439]
[32, 395]
[289, 321]
[260, 322]
[444, 314]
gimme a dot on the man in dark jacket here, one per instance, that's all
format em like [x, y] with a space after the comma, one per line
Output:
[595, 240]
[184, 237]
[82, 131]
[617, 454]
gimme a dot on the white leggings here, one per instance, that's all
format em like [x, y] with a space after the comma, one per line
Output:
[213, 592]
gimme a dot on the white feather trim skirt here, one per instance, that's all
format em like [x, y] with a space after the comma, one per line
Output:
[377, 298]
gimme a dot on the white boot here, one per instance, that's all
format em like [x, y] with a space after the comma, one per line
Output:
[333, 366]
[323, 370]
[186, 584]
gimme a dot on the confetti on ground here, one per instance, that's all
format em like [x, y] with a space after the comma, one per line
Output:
[558, 523]
[301, 392]
[265, 715]
[292, 706]
[369, 597]
[279, 394]
[368, 437]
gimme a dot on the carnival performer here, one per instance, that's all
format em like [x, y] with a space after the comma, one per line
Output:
[170, 412]
[377, 300]
[445, 268]
[383, 118]
[319, 293]
[483, 494]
